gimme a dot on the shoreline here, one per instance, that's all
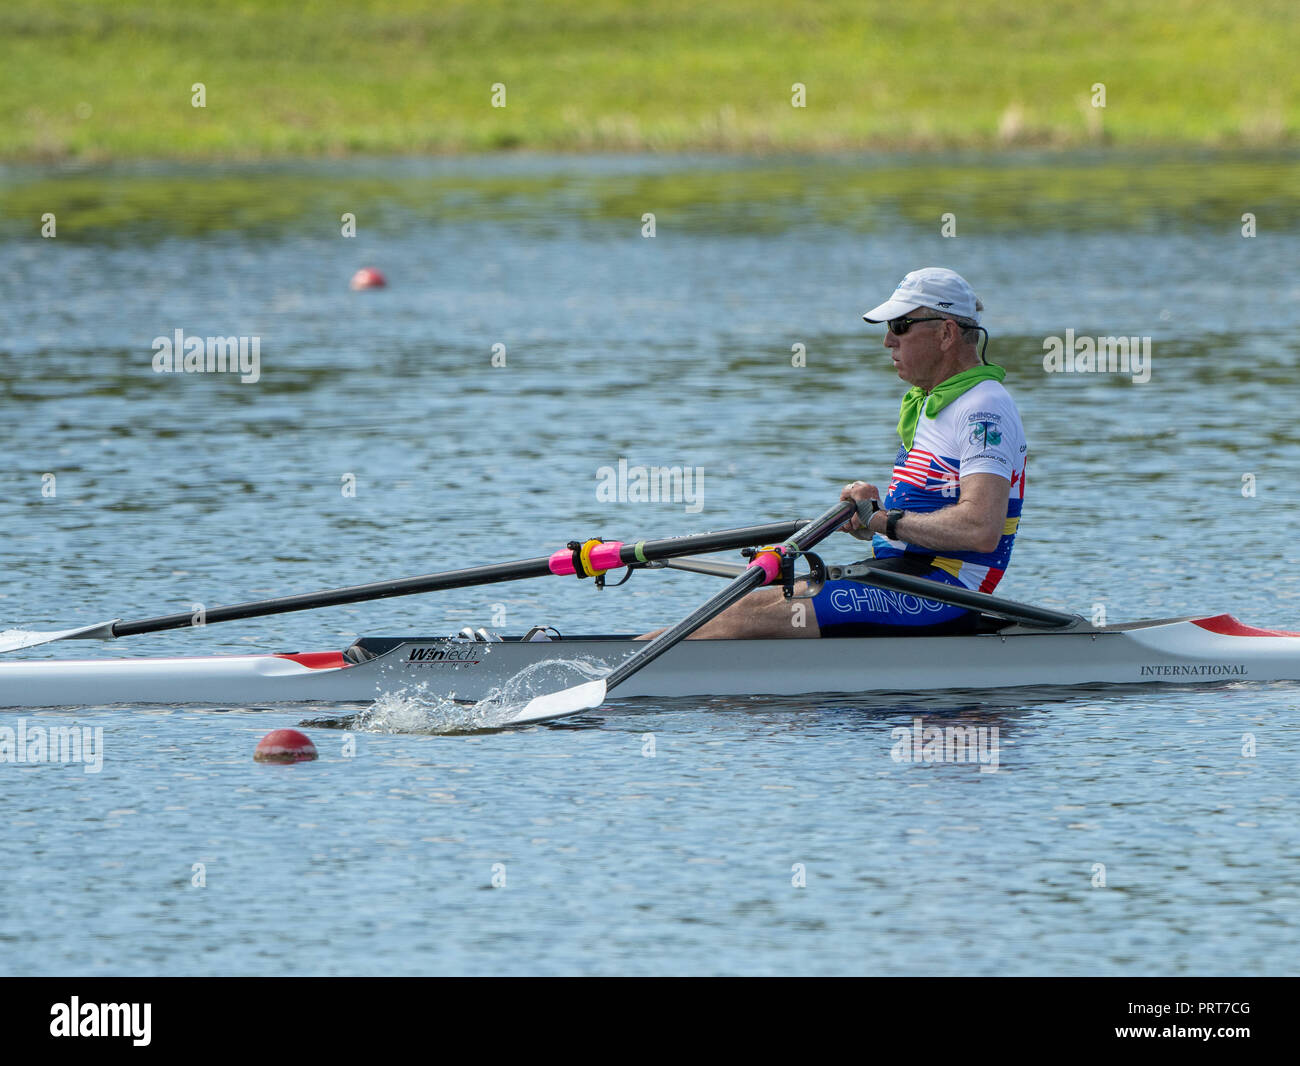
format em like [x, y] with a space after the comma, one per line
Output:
[646, 160]
[1024, 191]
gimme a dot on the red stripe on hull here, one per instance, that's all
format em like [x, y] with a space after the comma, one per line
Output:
[317, 660]
[1229, 626]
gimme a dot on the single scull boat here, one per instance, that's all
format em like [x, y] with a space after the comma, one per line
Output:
[1014, 644]
[1177, 651]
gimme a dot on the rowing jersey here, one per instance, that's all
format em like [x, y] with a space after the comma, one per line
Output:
[979, 432]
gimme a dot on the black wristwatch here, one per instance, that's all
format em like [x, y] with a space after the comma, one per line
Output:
[891, 523]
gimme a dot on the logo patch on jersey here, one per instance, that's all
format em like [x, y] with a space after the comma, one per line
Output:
[986, 434]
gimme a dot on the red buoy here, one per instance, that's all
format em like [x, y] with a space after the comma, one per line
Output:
[368, 278]
[285, 745]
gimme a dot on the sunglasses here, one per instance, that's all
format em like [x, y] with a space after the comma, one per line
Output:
[899, 326]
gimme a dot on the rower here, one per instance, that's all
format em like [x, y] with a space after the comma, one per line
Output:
[952, 506]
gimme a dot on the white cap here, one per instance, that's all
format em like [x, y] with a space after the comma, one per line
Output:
[938, 287]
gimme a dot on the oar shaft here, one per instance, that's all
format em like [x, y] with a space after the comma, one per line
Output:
[629, 554]
[754, 577]
[711, 567]
[377, 590]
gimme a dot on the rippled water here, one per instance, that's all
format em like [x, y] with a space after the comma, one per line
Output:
[171, 490]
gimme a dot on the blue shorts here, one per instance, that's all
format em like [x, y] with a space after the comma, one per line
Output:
[856, 609]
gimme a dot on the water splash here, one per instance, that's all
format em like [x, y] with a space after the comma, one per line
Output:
[416, 710]
[14, 639]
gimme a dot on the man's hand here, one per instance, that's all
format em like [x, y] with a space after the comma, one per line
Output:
[858, 490]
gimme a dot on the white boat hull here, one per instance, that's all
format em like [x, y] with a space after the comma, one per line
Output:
[1176, 652]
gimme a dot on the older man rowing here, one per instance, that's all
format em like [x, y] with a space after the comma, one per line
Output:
[953, 504]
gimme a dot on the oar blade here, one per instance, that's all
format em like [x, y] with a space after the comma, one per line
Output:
[18, 639]
[584, 697]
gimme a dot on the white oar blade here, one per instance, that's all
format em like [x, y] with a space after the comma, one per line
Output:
[17, 639]
[567, 701]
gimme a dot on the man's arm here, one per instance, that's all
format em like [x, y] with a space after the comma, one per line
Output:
[974, 523]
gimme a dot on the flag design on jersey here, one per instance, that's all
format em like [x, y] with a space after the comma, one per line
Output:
[925, 471]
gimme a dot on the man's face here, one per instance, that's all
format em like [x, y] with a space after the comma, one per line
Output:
[917, 352]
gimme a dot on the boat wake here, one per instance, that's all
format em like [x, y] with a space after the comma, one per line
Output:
[416, 710]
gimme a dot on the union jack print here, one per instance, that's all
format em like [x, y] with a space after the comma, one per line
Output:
[926, 471]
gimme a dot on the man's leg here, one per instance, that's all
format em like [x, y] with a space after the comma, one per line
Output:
[763, 614]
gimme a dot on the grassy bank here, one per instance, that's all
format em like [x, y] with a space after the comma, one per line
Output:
[111, 80]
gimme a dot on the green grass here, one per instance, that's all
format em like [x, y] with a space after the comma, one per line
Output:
[110, 80]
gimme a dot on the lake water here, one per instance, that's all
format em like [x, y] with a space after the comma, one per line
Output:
[764, 836]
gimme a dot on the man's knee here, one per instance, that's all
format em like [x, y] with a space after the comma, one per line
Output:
[775, 616]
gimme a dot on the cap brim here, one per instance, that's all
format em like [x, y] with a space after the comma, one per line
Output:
[891, 308]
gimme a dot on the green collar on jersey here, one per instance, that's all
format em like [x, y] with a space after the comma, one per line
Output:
[940, 397]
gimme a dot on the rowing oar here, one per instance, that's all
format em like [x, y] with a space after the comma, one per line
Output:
[586, 560]
[764, 569]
